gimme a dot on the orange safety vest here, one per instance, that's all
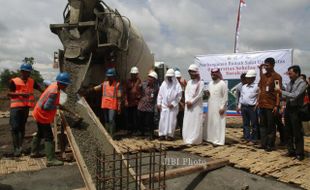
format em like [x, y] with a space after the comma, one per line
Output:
[22, 87]
[109, 95]
[46, 116]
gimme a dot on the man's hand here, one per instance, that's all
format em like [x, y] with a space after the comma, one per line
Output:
[282, 110]
[126, 103]
[275, 110]
[256, 106]
[222, 111]
[278, 90]
[238, 110]
[181, 104]
[170, 106]
[261, 66]
[159, 108]
[189, 104]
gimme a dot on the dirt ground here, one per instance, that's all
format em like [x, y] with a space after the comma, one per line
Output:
[6, 147]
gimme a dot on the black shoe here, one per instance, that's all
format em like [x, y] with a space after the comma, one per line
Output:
[300, 157]
[290, 154]
[268, 149]
[261, 147]
[161, 138]
[282, 144]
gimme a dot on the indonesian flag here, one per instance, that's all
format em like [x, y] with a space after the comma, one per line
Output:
[236, 46]
[242, 3]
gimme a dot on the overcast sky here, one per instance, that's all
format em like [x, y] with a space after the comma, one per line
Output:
[175, 30]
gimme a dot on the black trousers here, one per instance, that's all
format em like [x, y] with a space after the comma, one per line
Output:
[45, 132]
[281, 128]
[18, 120]
[132, 118]
[180, 118]
[295, 134]
[267, 128]
[146, 122]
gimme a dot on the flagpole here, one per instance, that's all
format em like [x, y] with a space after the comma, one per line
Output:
[237, 29]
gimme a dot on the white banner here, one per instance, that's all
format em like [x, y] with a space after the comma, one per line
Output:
[233, 65]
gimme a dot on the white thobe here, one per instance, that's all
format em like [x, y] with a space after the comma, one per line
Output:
[193, 116]
[169, 94]
[215, 132]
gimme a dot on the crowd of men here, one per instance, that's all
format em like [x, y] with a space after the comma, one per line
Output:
[179, 104]
[264, 105]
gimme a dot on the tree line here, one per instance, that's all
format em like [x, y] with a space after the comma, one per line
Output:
[6, 75]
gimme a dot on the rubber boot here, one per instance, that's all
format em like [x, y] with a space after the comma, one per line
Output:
[50, 155]
[112, 130]
[15, 145]
[35, 144]
[20, 142]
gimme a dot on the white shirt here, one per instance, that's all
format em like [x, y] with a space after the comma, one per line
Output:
[249, 94]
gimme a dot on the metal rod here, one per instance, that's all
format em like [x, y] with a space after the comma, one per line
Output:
[140, 166]
[164, 182]
[113, 172]
[150, 168]
[136, 169]
[121, 172]
[127, 166]
[97, 171]
[103, 170]
[159, 165]
[153, 172]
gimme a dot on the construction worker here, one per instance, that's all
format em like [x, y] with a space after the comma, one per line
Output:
[21, 94]
[111, 99]
[44, 114]
[132, 97]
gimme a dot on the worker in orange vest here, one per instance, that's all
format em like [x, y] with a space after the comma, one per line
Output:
[22, 98]
[44, 114]
[111, 99]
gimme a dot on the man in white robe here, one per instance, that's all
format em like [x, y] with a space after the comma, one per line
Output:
[217, 103]
[169, 96]
[193, 115]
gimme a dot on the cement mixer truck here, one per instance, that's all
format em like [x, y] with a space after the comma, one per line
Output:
[95, 37]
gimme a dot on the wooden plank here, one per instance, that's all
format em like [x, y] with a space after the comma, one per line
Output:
[78, 156]
[179, 172]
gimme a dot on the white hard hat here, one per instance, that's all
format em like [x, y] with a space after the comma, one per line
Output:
[193, 67]
[153, 74]
[170, 73]
[177, 74]
[134, 70]
[251, 73]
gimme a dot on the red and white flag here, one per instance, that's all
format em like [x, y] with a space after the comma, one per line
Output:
[236, 46]
[242, 3]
